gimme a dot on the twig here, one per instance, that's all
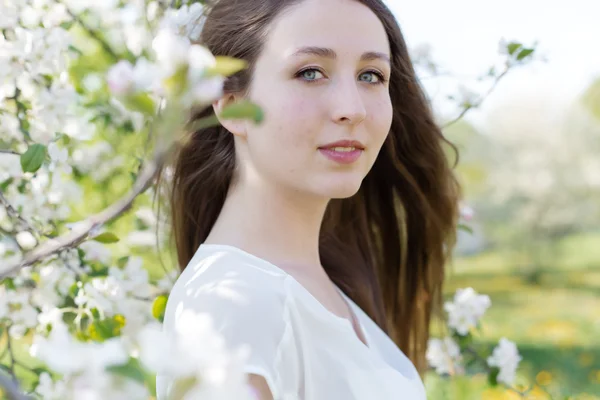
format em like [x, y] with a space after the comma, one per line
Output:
[481, 99]
[21, 110]
[83, 228]
[150, 134]
[11, 355]
[11, 389]
[7, 151]
[14, 214]
[94, 34]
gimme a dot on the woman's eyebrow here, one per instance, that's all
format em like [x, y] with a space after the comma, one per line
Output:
[330, 53]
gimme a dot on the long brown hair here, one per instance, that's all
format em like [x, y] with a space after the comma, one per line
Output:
[387, 245]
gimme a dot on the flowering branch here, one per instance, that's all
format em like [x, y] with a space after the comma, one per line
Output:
[469, 106]
[94, 34]
[516, 55]
[83, 228]
[488, 370]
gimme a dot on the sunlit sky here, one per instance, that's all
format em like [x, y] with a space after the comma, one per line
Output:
[464, 36]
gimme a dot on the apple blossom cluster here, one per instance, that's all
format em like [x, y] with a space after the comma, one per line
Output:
[446, 355]
[90, 321]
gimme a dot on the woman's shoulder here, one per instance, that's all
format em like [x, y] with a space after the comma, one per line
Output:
[247, 304]
[228, 264]
[223, 280]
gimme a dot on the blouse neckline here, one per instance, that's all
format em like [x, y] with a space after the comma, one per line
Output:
[347, 324]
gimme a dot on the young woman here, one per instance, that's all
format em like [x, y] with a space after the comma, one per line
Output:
[319, 236]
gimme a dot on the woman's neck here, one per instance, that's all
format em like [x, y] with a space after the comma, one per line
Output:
[279, 226]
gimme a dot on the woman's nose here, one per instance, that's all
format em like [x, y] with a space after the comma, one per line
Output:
[347, 103]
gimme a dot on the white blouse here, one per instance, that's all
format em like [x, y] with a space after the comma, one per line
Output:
[303, 350]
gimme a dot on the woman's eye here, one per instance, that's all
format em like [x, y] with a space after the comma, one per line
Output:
[310, 74]
[372, 77]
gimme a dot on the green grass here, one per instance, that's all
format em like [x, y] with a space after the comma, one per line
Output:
[555, 321]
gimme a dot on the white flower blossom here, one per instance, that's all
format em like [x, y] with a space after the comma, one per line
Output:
[166, 282]
[466, 309]
[171, 51]
[9, 250]
[120, 78]
[207, 90]
[186, 21]
[147, 216]
[196, 350]
[466, 212]
[95, 251]
[141, 238]
[49, 390]
[14, 304]
[26, 240]
[444, 355]
[506, 357]
[54, 283]
[64, 354]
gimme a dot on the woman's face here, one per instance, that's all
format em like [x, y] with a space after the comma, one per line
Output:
[322, 78]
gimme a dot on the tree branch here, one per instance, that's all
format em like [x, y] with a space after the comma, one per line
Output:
[83, 228]
[481, 99]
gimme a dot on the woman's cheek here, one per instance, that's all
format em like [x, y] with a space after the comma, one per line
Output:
[299, 122]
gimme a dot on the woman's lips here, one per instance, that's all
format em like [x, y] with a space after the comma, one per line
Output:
[342, 155]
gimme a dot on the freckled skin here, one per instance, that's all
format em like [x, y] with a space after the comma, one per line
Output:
[339, 104]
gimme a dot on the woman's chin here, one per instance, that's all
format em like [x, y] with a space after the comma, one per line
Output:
[341, 190]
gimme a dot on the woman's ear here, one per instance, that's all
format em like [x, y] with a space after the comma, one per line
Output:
[235, 126]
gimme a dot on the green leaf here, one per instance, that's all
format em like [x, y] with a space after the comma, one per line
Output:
[67, 25]
[463, 341]
[132, 370]
[6, 184]
[465, 228]
[66, 139]
[226, 66]
[513, 47]
[204, 123]
[141, 102]
[159, 306]
[243, 110]
[122, 262]
[524, 53]
[493, 376]
[9, 283]
[41, 370]
[181, 387]
[33, 158]
[177, 83]
[102, 329]
[106, 237]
